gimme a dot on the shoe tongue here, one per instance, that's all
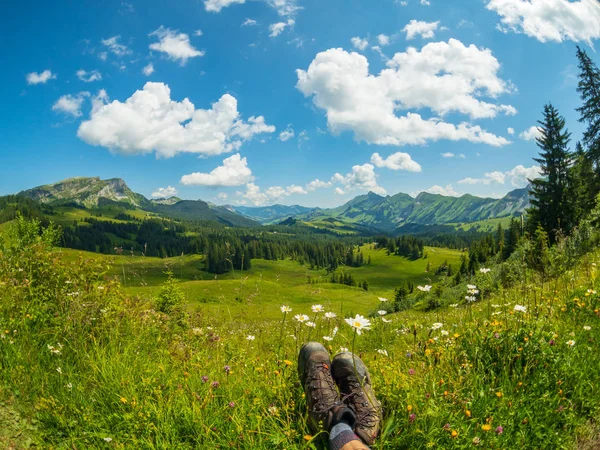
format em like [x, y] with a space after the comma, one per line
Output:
[343, 414]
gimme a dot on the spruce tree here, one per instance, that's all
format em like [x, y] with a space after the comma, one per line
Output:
[589, 90]
[550, 204]
[580, 188]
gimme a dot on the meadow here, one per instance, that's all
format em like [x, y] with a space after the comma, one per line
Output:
[90, 361]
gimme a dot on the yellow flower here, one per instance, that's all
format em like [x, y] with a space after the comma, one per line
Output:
[454, 433]
[409, 408]
[468, 413]
[287, 362]
[123, 400]
[307, 437]
[498, 394]
[486, 427]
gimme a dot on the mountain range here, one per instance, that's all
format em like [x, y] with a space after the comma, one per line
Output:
[369, 211]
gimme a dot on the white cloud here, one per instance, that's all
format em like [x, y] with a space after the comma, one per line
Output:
[293, 189]
[39, 78]
[277, 28]
[148, 69]
[167, 192]
[383, 40]
[272, 194]
[176, 45]
[103, 56]
[285, 7]
[222, 196]
[361, 177]
[448, 155]
[425, 3]
[70, 104]
[402, 3]
[444, 77]
[518, 177]
[150, 121]
[217, 5]
[339, 191]
[317, 184]
[88, 77]
[233, 172]
[550, 20]
[114, 46]
[198, 33]
[396, 161]
[418, 28]
[359, 43]
[531, 133]
[249, 23]
[447, 191]
[287, 134]
[510, 131]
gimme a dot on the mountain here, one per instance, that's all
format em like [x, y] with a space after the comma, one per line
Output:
[390, 213]
[268, 215]
[88, 192]
[96, 193]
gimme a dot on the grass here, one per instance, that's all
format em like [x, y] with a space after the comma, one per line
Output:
[93, 366]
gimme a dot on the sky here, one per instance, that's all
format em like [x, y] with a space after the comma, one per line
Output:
[309, 102]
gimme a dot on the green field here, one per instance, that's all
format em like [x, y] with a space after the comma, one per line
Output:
[256, 293]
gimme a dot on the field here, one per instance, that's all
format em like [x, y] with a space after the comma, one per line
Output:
[254, 294]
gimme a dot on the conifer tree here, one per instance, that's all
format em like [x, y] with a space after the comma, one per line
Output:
[589, 90]
[551, 206]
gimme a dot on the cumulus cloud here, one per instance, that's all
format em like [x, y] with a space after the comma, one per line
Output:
[419, 28]
[255, 195]
[175, 45]
[150, 121]
[222, 196]
[249, 23]
[317, 184]
[39, 78]
[70, 104]
[114, 46]
[167, 192]
[286, 134]
[339, 191]
[396, 161]
[452, 155]
[518, 177]
[277, 28]
[531, 133]
[447, 191]
[550, 20]
[361, 177]
[217, 5]
[444, 77]
[88, 77]
[425, 3]
[233, 172]
[383, 40]
[148, 69]
[359, 43]
[510, 131]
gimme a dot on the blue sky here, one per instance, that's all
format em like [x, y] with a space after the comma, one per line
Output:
[286, 101]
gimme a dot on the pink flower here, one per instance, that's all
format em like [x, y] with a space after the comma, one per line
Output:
[499, 430]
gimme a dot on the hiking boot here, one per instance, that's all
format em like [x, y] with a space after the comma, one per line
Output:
[325, 407]
[358, 393]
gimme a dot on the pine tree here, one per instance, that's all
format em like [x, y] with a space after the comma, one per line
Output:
[589, 90]
[580, 188]
[551, 207]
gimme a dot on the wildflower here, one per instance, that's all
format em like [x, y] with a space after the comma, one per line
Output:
[571, 343]
[301, 317]
[551, 342]
[59, 370]
[197, 331]
[411, 371]
[520, 308]
[317, 308]
[359, 323]
[334, 332]
[250, 337]
[409, 408]
[327, 338]
[499, 394]
[330, 315]
[382, 352]
[499, 429]
[69, 386]
[470, 298]
[454, 433]
[107, 439]
[227, 369]
[476, 440]
[485, 270]
[425, 288]
[486, 427]
[204, 379]
[454, 305]
[232, 404]
[383, 299]
[437, 326]
[310, 324]
[123, 400]
[384, 320]
[215, 384]
[587, 328]
[272, 409]
[444, 333]
[287, 362]
[382, 312]
[343, 349]
[412, 417]
[286, 309]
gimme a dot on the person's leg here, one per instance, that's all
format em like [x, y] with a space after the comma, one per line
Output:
[354, 381]
[325, 408]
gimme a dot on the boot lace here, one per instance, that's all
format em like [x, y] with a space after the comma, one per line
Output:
[323, 387]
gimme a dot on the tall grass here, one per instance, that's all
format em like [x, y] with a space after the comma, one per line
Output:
[95, 368]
